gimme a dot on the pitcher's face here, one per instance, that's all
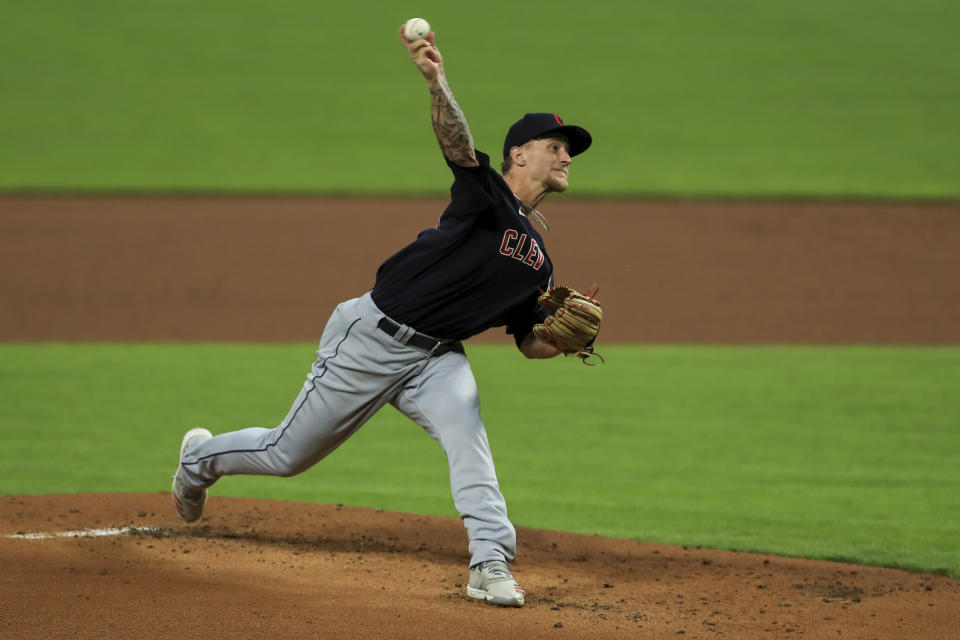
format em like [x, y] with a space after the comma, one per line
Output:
[548, 161]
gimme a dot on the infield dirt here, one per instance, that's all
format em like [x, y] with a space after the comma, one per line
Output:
[269, 569]
[137, 268]
[195, 268]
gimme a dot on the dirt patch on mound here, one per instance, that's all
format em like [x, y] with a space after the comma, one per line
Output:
[266, 569]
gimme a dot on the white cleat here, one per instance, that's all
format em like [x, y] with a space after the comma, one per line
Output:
[189, 502]
[492, 582]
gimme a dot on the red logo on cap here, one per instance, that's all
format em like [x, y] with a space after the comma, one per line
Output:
[557, 118]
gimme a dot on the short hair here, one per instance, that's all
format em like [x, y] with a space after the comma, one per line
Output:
[507, 163]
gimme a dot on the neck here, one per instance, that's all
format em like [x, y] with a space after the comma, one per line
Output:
[531, 195]
[531, 211]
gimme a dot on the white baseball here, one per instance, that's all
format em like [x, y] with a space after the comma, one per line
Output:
[415, 29]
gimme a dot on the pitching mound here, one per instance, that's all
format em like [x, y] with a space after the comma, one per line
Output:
[123, 565]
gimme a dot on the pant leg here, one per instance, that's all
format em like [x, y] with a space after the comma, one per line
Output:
[443, 399]
[358, 369]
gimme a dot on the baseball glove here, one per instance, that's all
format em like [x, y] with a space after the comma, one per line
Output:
[573, 323]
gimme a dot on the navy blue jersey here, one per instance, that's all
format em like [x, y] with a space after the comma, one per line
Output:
[483, 265]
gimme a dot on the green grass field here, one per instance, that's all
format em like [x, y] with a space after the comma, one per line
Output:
[819, 98]
[825, 452]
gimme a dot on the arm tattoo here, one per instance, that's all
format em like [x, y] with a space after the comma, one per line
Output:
[450, 125]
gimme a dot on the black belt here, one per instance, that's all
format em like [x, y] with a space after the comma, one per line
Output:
[435, 347]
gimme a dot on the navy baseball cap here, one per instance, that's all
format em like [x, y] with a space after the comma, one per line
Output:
[534, 125]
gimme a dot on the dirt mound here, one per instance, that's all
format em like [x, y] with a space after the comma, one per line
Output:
[123, 565]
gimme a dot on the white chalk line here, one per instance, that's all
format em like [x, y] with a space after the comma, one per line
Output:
[84, 533]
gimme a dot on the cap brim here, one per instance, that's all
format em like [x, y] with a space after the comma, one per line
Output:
[580, 139]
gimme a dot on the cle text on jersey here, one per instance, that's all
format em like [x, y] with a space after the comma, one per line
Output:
[513, 244]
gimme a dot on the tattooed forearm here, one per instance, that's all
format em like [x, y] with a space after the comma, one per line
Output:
[450, 125]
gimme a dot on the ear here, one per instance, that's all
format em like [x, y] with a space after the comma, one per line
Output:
[519, 156]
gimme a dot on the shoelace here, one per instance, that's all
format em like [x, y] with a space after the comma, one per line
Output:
[496, 568]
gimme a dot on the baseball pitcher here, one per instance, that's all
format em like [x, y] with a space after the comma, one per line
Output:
[484, 265]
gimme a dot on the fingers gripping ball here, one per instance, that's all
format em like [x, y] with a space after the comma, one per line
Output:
[415, 29]
[573, 323]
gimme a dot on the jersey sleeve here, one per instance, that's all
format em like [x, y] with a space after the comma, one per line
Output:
[474, 188]
[525, 316]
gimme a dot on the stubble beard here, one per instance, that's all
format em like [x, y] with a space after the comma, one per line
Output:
[555, 185]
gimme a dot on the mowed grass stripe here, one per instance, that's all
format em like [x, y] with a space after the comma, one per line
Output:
[826, 452]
